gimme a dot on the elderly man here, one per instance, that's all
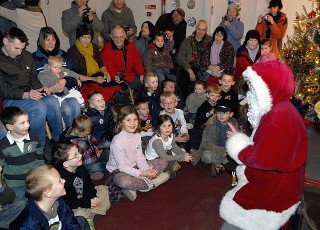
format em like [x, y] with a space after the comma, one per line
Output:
[20, 86]
[79, 13]
[173, 21]
[118, 14]
[188, 58]
[122, 59]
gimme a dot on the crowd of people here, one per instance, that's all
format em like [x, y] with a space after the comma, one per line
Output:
[136, 110]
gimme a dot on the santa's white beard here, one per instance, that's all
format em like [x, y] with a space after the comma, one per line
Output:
[254, 114]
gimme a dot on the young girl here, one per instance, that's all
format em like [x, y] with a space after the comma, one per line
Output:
[127, 166]
[162, 145]
[266, 54]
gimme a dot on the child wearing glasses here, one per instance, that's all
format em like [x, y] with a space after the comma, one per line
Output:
[169, 103]
[212, 148]
[93, 157]
[81, 195]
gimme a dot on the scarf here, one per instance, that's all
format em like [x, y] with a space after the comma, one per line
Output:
[253, 53]
[197, 48]
[215, 51]
[87, 53]
[275, 19]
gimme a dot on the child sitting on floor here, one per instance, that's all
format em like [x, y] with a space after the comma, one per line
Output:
[101, 118]
[20, 150]
[82, 196]
[204, 112]
[146, 131]
[194, 100]
[212, 148]
[93, 156]
[169, 104]
[128, 169]
[162, 145]
[46, 209]
[150, 92]
[226, 82]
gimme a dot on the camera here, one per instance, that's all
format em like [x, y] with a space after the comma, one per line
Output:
[226, 19]
[126, 29]
[121, 75]
[86, 11]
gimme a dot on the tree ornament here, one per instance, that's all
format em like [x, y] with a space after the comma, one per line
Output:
[312, 14]
[191, 4]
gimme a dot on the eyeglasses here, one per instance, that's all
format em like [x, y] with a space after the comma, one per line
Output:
[170, 103]
[75, 156]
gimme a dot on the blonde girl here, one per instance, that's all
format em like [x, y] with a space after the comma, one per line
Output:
[266, 51]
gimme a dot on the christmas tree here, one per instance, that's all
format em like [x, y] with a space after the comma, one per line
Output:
[302, 54]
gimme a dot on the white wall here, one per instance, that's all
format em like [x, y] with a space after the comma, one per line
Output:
[249, 13]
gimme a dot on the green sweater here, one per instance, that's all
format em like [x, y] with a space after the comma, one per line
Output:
[16, 164]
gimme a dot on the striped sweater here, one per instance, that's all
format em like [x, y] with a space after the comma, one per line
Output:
[15, 163]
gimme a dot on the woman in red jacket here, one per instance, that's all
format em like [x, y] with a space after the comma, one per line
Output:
[247, 54]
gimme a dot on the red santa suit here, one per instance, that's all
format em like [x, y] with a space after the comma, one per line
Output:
[272, 161]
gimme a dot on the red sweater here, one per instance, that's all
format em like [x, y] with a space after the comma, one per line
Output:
[114, 60]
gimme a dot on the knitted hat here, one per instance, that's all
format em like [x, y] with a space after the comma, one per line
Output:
[233, 6]
[274, 3]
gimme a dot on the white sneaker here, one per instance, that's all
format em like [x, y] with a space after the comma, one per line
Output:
[152, 184]
[130, 194]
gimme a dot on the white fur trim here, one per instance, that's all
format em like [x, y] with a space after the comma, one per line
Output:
[254, 218]
[259, 96]
[236, 143]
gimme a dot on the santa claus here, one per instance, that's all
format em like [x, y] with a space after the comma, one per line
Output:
[272, 161]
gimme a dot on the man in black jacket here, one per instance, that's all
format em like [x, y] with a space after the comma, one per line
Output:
[174, 21]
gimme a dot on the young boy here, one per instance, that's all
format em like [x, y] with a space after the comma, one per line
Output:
[150, 92]
[46, 209]
[20, 150]
[81, 195]
[195, 99]
[89, 147]
[169, 103]
[227, 81]
[206, 109]
[100, 116]
[157, 59]
[212, 148]
[54, 76]
[10, 206]
[142, 107]
[168, 86]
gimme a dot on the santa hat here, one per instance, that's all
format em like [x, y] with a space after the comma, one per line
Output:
[272, 82]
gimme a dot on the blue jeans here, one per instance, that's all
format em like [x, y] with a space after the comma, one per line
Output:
[164, 74]
[99, 166]
[38, 111]
[70, 109]
[3, 131]
[20, 191]
[10, 212]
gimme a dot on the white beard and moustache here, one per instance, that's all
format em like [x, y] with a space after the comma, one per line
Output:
[254, 114]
